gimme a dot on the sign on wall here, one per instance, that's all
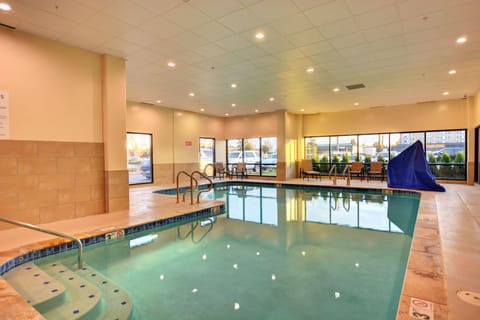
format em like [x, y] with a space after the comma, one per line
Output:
[4, 117]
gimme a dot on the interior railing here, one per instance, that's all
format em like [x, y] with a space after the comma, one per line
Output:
[333, 173]
[191, 189]
[52, 232]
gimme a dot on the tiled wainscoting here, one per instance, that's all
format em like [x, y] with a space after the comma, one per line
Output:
[42, 181]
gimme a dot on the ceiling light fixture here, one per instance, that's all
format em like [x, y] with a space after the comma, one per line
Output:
[191, 94]
[310, 70]
[202, 109]
[336, 89]
[452, 71]
[356, 104]
[256, 110]
[259, 35]
[159, 101]
[227, 114]
[272, 99]
[302, 110]
[171, 64]
[233, 85]
[446, 93]
[5, 7]
[461, 40]
[234, 104]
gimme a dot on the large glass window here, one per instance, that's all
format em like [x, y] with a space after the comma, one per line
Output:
[445, 150]
[259, 155]
[139, 158]
[207, 155]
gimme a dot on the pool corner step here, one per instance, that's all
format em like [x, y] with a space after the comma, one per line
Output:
[117, 304]
[35, 285]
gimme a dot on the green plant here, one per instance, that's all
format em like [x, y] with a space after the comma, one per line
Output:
[445, 158]
[336, 159]
[460, 157]
[346, 158]
[368, 158]
[431, 158]
[381, 158]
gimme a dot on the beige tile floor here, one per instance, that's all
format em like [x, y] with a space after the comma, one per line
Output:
[445, 255]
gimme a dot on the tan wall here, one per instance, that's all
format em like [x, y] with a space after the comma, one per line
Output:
[54, 90]
[451, 114]
[171, 129]
[44, 181]
[253, 126]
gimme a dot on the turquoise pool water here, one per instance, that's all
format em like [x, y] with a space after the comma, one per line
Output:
[278, 253]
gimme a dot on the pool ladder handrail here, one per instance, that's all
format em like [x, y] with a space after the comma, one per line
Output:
[51, 232]
[334, 170]
[191, 189]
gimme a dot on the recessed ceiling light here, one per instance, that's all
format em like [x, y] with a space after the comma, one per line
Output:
[452, 71]
[227, 114]
[159, 101]
[191, 94]
[461, 40]
[310, 70]
[256, 110]
[171, 64]
[336, 89]
[446, 93]
[5, 7]
[302, 110]
[356, 104]
[233, 85]
[259, 35]
[234, 104]
[202, 109]
[272, 99]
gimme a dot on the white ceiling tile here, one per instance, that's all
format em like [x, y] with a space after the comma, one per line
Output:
[210, 50]
[188, 40]
[188, 57]
[307, 4]
[108, 24]
[251, 52]
[161, 27]
[338, 28]
[348, 41]
[97, 4]
[329, 12]
[156, 6]
[128, 12]
[234, 42]
[297, 22]
[385, 31]
[276, 45]
[316, 48]
[68, 9]
[139, 37]
[186, 16]
[414, 8]
[306, 37]
[121, 46]
[358, 7]
[212, 31]
[377, 17]
[241, 20]
[290, 55]
[263, 9]
[214, 9]
[85, 37]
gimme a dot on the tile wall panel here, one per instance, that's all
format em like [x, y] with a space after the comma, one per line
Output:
[44, 181]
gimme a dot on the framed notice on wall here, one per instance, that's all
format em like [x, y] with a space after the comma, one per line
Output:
[4, 117]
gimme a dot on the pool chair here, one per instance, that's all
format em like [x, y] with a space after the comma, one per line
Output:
[307, 170]
[240, 170]
[220, 170]
[376, 171]
[356, 170]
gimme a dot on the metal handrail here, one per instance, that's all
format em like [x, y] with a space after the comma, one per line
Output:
[202, 191]
[178, 187]
[334, 169]
[52, 232]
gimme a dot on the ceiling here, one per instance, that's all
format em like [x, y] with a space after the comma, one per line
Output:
[401, 50]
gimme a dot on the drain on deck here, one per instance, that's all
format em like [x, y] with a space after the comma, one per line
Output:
[469, 297]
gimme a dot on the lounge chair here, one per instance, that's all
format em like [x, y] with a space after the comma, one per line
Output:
[307, 170]
[376, 171]
[356, 170]
[240, 170]
[220, 170]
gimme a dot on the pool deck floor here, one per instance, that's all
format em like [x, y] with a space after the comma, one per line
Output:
[444, 258]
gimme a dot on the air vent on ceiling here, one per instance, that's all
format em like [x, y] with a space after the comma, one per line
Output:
[355, 86]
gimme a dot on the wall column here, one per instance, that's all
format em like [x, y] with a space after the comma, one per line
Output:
[114, 104]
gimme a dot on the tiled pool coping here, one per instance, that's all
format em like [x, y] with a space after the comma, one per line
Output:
[424, 277]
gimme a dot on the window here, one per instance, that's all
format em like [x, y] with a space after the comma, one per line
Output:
[259, 155]
[139, 158]
[207, 155]
[445, 150]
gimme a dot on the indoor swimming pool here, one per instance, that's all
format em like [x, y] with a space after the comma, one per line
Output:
[279, 252]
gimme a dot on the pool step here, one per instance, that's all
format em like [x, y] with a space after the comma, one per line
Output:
[58, 292]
